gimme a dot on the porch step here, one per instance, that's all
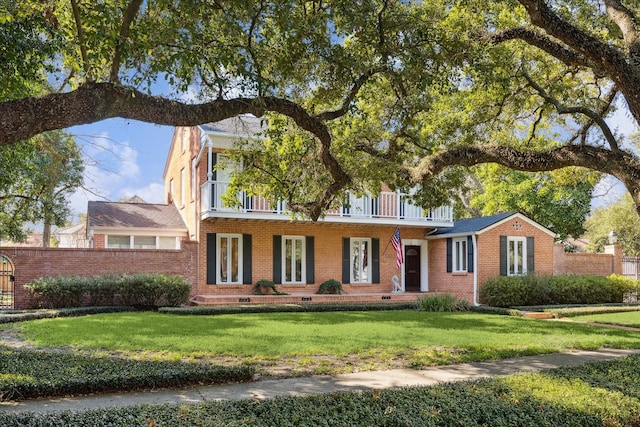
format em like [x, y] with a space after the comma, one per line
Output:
[216, 300]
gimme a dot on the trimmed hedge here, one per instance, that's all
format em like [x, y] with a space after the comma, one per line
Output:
[139, 290]
[29, 374]
[289, 308]
[14, 316]
[595, 394]
[533, 290]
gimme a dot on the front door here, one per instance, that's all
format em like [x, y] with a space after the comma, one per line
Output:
[412, 269]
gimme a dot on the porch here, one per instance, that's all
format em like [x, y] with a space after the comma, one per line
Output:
[388, 207]
[306, 298]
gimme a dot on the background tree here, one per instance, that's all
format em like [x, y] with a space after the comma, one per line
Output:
[620, 217]
[36, 178]
[559, 200]
[379, 90]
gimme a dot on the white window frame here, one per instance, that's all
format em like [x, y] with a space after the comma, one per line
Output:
[515, 268]
[460, 256]
[182, 187]
[229, 259]
[132, 238]
[364, 271]
[298, 240]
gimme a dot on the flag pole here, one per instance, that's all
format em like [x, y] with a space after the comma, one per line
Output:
[389, 242]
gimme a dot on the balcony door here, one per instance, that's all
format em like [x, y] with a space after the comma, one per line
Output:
[412, 269]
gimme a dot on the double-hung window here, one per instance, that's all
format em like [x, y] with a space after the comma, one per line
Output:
[360, 265]
[229, 256]
[293, 259]
[516, 256]
[460, 255]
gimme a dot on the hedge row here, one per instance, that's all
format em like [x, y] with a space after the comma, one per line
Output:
[288, 308]
[555, 398]
[534, 290]
[138, 290]
[32, 373]
[14, 316]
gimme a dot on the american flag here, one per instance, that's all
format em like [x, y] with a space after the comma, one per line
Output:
[397, 245]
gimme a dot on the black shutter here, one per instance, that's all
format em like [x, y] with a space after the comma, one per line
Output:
[346, 244]
[214, 161]
[277, 259]
[470, 254]
[375, 260]
[246, 259]
[530, 255]
[503, 255]
[310, 259]
[211, 258]
[449, 255]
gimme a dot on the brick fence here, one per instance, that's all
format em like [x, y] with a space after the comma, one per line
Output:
[31, 263]
[587, 264]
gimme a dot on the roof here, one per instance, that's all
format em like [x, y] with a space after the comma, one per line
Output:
[244, 126]
[134, 215]
[74, 229]
[473, 225]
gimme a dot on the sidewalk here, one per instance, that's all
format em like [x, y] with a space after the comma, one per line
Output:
[320, 384]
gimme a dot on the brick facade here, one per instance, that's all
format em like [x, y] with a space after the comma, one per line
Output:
[327, 252]
[31, 263]
[488, 258]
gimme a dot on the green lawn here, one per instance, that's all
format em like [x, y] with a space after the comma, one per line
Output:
[629, 318]
[337, 333]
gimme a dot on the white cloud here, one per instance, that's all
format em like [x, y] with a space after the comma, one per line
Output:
[112, 171]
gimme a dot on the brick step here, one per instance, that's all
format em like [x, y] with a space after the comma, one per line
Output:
[213, 300]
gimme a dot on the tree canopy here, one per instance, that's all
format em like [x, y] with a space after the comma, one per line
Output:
[402, 92]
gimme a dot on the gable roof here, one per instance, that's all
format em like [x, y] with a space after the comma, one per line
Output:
[245, 126]
[481, 224]
[134, 215]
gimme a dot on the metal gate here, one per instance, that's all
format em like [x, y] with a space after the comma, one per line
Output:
[6, 282]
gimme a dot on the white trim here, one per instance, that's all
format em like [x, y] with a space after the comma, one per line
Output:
[303, 261]
[239, 280]
[474, 242]
[457, 257]
[369, 260]
[522, 217]
[181, 232]
[523, 255]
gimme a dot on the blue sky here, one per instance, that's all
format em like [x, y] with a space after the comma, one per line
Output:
[123, 158]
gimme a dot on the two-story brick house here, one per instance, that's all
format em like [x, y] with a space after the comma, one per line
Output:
[260, 240]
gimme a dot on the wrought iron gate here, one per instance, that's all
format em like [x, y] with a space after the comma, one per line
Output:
[6, 282]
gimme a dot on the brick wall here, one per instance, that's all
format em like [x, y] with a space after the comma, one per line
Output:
[588, 264]
[488, 245]
[31, 263]
[327, 252]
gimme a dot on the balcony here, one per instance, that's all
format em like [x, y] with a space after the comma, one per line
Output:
[387, 208]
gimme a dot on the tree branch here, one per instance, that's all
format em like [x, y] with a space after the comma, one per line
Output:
[332, 115]
[626, 21]
[561, 109]
[624, 166]
[81, 39]
[543, 42]
[127, 19]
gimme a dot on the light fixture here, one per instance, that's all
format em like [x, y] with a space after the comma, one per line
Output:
[613, 237]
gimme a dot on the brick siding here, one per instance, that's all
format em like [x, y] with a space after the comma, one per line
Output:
[31, 263]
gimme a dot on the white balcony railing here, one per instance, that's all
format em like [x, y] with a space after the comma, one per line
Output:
[387, 205]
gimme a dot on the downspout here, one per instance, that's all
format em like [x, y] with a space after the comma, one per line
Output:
[475, 269]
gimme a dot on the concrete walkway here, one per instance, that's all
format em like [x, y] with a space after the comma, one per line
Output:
[320, 384]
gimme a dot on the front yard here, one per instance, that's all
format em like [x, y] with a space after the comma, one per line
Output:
[142, 350]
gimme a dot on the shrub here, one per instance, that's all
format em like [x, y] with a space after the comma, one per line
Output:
[263, 287]
[554, 290]
[140, 289]
[330, 286]
[444, 302]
